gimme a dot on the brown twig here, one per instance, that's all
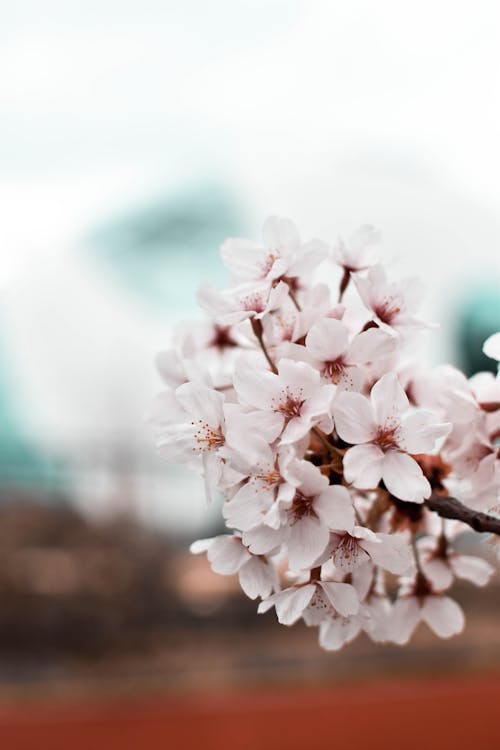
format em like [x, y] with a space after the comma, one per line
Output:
[324, 440]
[450, 507]
[258, 331]
[344, 283]
[294, 299]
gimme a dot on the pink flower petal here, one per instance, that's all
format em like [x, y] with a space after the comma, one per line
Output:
[443, 615]
[403, 477]
[257, 578]
[289, 603]
[327, 339]
[307, 540]
[342, 596]
[370, 346]
[472, 569]
[354, 419]
[335, 509]
[363, 466]
[406, 613]
[388, 399]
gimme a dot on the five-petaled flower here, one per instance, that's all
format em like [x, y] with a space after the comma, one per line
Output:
[384, 432]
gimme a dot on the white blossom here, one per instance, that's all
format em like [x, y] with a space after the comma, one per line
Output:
[331, 446]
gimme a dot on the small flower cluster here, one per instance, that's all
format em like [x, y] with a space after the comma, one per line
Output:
[299, 403]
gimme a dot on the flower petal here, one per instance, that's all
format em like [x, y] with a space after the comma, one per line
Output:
[262, 539]
[437, 572]
[299, 376]
[390, 552]
[245, 510]
[227, 554]
[363, 466]
[335, 632]
[327, 339]
[419, 432]
[404, 478]
[308, 539]
[491, 346]
[472, 569]
[343, 597]
[257, 577]
[354, 419]
[289, 603]
[443, 615]
[388, 399]
[255, 387]
[370, 345]
[335, 509]
[406, 613]
[201, 402]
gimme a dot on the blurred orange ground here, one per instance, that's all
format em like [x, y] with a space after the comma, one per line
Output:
[440, 713]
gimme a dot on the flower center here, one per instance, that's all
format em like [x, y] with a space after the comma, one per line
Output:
[222, 338]
[302, 505]
[253, 303]
[207, 438]
[348, 554]
[318, 608]
[333, 370]
[386, 438]
[270, 478]
[289, 403]
[268, 262]
[387, 309]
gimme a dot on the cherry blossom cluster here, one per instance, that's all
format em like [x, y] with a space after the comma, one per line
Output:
[298, 401]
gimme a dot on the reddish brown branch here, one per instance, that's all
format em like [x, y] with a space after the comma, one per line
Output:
[450, 507]
[258, 332]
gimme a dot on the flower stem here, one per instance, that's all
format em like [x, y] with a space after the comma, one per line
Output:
[258, 331]
[344, 283]
[294, 299]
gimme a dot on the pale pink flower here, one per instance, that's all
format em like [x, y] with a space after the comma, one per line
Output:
[480, 489]
[357, 253]
[194, 429]
[280, 254]
[241, 303]
[289, 324]
[293, 399]
[441, 566]
[316, 509]
[315, 599]
[375, 609]
[392, 304]
[227, 556]
[207, 345]
[266, 490]
[447, 391]
[360, 545]
[339, 361]
[442, 614]
[385, 431]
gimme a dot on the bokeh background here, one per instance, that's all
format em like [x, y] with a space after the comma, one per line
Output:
[136, 136]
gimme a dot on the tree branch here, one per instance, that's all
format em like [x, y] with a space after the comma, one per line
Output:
[450, 507]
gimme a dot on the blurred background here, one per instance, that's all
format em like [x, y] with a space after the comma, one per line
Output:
[136, 136]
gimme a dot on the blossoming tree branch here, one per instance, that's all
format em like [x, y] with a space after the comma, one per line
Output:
[347, 470]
